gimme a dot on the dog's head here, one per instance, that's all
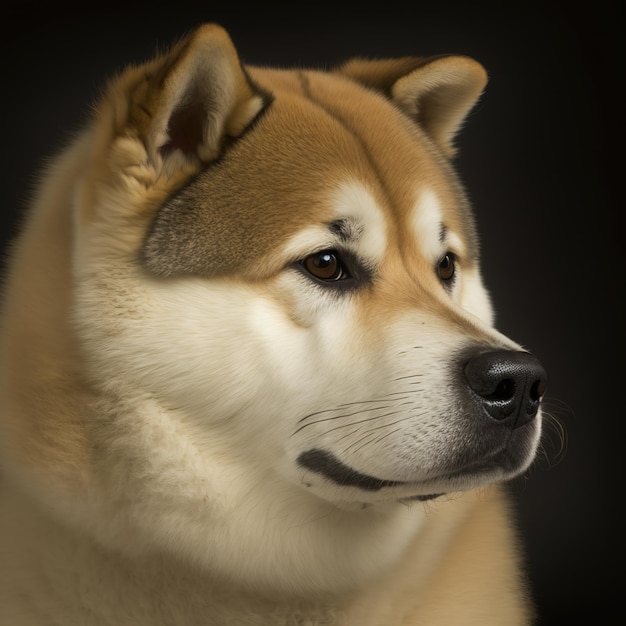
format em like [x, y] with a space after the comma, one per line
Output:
[272, 286]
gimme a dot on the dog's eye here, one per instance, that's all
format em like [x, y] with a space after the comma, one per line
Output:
[325, 265]
[446, 267]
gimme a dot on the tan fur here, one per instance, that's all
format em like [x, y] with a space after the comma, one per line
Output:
[163, 362]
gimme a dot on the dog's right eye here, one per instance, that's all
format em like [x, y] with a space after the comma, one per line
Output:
[326, 266]
[446, 268]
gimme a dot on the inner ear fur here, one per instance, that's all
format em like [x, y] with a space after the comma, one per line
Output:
[194, 97]
[436, 92]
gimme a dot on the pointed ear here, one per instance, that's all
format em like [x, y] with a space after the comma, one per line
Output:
[437, 92]
[194, 98]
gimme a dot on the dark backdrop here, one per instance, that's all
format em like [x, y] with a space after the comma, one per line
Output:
[540, 157]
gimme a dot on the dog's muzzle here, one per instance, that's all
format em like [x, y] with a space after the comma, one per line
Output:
[492, 436]
[508, 385]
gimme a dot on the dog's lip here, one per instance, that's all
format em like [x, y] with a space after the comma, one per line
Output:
[329, 466]
[493, 466]
[422, 498]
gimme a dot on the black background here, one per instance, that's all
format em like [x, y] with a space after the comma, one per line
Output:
[541, 157]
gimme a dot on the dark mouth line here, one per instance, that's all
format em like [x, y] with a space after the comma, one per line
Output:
[327, 465]
[431, 496]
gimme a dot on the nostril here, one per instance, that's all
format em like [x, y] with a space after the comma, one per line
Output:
[505, 390]
[537, 389]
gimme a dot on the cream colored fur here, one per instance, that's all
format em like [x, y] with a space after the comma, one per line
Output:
[158, 389]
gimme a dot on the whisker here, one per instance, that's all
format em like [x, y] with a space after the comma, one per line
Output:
[384, 436]
[306, 417]
[334, 418]
[365, 443]
[352, 432]
[396, 393]
[369, 419]
[369, 431]
[342, 406]
[553, 444]
[347, 404]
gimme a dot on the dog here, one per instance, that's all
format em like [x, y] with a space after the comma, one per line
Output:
[249, 372]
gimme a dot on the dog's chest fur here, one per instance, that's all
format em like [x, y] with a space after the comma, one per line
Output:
[114, 590]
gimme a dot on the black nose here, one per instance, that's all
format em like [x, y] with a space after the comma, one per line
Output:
[510, 385]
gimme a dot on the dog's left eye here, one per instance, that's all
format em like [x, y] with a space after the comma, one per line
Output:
[326, 265]
[446, 268]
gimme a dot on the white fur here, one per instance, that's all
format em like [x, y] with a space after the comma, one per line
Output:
[427, 220]
[353, 201]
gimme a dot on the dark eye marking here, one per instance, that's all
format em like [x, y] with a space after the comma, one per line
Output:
[346, 229]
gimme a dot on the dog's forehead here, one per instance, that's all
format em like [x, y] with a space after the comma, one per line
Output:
[366, 135]
[419, 192]
[326, 149]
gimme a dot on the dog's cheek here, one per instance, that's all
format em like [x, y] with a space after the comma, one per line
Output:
[308, 339]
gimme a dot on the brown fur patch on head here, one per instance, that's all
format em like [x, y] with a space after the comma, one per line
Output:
[321, 129]
[267, 186]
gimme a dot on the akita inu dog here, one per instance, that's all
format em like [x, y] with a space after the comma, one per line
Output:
[248, 368]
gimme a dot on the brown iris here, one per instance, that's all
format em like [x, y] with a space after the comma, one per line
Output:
[324, 265]
[446, 267]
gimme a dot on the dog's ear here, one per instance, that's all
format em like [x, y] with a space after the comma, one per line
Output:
[437, 92]
[189, 101]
